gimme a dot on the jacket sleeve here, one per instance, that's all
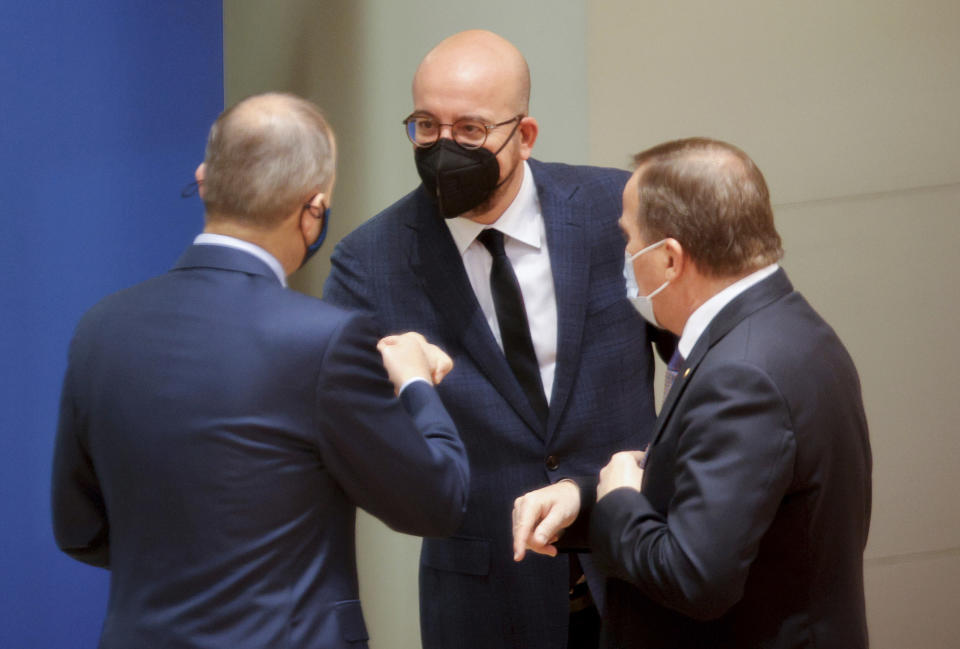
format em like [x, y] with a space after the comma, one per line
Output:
[400, 459]
[576, 538]
[80, 523]
[734, 462]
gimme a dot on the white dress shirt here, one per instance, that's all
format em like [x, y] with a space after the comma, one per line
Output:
[210, 239]
[700, 319]
[525, 243]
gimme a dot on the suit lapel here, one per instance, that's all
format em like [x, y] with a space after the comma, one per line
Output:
[448, 288]
[569, 265]
[744, 305]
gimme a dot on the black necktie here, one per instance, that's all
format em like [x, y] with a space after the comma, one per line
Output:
[512, 317]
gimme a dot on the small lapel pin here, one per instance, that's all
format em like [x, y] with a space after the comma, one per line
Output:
[686, 373]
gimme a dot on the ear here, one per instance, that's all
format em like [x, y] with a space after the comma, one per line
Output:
[199, 175]
[529, 129]
[309, 224]
[677, 260]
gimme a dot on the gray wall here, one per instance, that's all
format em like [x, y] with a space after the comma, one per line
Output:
[849, 108]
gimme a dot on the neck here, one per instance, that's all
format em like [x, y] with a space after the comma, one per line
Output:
[696, 292]
[276, 240]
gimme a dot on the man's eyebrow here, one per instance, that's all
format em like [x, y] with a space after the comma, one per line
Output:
[477, 118]
[473, 117]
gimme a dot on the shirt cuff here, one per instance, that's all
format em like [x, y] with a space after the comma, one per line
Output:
[410, 381]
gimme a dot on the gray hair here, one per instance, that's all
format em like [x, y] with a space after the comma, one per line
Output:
[266, 156]
[712, 198]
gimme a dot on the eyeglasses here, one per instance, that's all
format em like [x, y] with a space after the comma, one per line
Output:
[316, 211]
[320, 211]
[424, 130]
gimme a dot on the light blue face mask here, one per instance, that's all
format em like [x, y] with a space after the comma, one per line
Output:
[642, 303]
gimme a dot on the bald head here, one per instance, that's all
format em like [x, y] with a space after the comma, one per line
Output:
[475, 64]
[264, 157]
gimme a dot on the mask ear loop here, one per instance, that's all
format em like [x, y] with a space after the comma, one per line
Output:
[657, 292]
[505, 142]
[190, 189]
[510, 137]
[637, 254]
[650, 247]
[323, 228]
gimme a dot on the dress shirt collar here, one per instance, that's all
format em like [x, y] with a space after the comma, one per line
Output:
[515, 222]
[700, 319]
[210, 239]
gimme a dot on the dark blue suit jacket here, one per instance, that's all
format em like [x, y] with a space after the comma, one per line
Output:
[216, 433]
[403, 267]
[756, 496]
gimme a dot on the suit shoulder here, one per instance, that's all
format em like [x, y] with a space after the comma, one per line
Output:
[293, 306]
[758, 340]
[388, 222]
[586, 176]
[118, 301]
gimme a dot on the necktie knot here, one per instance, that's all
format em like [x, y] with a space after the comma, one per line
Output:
[493, 240]
[676, 361]
[673, 369]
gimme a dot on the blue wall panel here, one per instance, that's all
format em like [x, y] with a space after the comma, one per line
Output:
[104, 108]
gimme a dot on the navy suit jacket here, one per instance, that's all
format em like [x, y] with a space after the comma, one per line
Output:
[403, 267]
[216, 434]
[755, 507]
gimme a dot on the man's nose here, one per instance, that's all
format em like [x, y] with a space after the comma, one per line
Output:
[446, 131]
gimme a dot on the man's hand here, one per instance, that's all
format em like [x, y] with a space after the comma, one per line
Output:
[540, 516]
[409, 355]
[438, 360]
[623, 470]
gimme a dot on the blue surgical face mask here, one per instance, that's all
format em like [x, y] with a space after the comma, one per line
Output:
[642, 303]
[315, 246]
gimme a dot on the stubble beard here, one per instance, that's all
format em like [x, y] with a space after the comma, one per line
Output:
[483, 210]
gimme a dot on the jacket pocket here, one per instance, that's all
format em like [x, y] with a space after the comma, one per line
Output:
[468, 556]
[350, 620]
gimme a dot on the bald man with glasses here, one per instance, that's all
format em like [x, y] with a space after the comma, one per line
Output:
[515, 268]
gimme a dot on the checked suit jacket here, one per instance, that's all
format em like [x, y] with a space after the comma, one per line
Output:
[402, 266]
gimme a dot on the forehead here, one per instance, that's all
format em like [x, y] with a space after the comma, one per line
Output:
[631, 198]
[450, 91]
[629, 219]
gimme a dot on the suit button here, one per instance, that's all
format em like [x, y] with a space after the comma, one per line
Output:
[552, 463]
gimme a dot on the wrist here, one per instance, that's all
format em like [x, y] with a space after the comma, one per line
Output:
[411, 380]
[573, 488]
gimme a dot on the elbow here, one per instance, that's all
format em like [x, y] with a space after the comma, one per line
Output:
[94, 556]
[707, 609]
[90, 549]
[710, 599]
[451, 510]
[445, 525]
[436, 521]
[435, 511]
